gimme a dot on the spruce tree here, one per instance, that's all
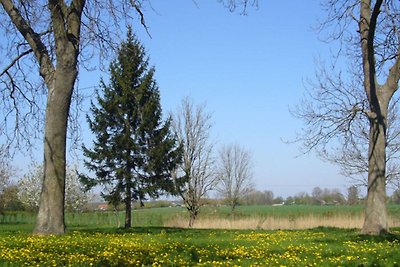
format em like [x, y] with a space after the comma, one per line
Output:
[134, 151]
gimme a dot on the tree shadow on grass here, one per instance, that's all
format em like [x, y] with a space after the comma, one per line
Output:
[137, 229]
[383, 237]
[354, 235]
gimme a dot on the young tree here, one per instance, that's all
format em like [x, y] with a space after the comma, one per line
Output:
[6, 172]
[374, 48]
[134, 151]
[395, 198]
[195, 175]
[234, 174]
[352, 195]
[317, 194]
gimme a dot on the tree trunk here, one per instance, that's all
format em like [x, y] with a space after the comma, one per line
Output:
[191, 219]
[128, 207]
[50, 218]
[375, 221]
[193, 212]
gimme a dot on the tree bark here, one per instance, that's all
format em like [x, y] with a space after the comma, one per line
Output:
[193, 212]
[375, 221]
[60, 80]
[50, 219]
[192, 218]
[128, 207]
[379, 97]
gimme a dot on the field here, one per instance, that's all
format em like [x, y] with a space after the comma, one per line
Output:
[94, 240]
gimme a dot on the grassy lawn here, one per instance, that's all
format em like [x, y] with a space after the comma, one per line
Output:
[158, 246]
[93, 240]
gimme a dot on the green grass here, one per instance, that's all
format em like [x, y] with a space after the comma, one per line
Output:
[158, 246]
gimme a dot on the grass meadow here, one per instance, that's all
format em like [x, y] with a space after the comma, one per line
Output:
[244, 238]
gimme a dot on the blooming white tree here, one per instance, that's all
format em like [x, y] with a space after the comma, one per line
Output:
[30, 187]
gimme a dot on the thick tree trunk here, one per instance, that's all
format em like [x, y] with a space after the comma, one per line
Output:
[375, 221]
[50, 218]
[66, 26]
[379, 97]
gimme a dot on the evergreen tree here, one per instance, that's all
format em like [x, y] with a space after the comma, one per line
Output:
[134, 151]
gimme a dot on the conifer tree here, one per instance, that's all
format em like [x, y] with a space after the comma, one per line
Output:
[134, 151]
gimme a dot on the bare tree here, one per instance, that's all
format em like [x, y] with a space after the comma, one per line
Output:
[334, 108]
[6, 171]
[316, 194]
[255, 197]
[195, 176]
[7, 188]
[235, 173]
[340, 110]
[352, 195]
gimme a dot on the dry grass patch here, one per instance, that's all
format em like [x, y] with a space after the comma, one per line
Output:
[273, 223]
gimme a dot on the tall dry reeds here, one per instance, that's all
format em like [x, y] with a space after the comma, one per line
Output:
[273, 223]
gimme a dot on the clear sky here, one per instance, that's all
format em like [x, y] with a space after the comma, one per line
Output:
[249, 70]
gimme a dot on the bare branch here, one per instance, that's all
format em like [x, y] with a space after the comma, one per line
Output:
[39, 49]
[138, 9]
[15, 60]
[233, 5]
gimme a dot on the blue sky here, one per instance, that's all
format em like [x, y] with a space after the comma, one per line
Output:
[249, 70]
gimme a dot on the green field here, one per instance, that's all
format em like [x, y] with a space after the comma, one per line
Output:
[93, 239]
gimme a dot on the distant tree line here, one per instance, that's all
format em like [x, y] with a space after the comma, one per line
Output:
[318, 196]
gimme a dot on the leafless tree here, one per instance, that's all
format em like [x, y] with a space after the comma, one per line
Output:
[54, 39]
[356, 109]
[334, 108]
[235, 173]
[195, 176]
[6, 170]
[352, 195]
[255, 197]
